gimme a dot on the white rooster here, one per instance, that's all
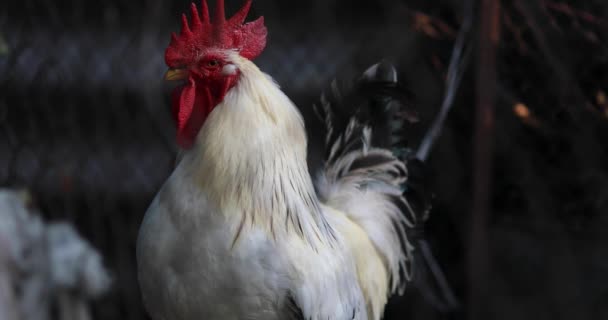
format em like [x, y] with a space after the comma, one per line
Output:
[240, 230]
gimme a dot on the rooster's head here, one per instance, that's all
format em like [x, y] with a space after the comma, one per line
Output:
[201, 56]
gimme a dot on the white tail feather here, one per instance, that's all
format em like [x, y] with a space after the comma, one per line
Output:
[370, 195]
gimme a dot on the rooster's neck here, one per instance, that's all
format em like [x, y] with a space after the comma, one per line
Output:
[250, 159]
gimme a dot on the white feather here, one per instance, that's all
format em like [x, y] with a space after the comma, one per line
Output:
[237, 228]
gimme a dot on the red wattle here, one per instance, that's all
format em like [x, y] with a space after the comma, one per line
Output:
[193, 102]
[186, 104]
[191, 105]
[183, 107]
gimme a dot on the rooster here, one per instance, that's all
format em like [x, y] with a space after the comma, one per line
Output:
[241, 230]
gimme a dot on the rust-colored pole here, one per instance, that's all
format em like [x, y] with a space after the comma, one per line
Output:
[479, 258]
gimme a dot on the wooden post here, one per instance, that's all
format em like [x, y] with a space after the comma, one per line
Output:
[478, 259]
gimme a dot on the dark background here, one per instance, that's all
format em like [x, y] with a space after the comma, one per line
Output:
[84, 124]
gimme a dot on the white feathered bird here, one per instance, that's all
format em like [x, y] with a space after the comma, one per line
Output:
[240, 230]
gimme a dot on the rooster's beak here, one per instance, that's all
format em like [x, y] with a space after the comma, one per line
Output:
[176, 74]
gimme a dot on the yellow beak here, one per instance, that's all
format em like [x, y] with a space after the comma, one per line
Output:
[176, 74]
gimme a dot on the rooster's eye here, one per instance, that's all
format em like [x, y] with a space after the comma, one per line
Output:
[213, 63]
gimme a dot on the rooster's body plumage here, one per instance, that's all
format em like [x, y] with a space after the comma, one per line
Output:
[240, 231]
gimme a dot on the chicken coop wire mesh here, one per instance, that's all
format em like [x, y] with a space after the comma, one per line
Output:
[85, 123]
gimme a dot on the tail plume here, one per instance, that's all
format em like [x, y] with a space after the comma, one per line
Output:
[363, 174]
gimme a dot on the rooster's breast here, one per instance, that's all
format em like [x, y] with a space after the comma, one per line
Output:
[188, 269]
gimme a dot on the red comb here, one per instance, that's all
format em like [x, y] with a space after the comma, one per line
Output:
[248, 39]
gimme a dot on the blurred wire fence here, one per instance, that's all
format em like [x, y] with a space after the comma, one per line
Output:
[85, 125]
